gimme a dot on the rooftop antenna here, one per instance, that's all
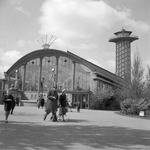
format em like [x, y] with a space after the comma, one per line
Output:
[42, 40]
[122, 27]
[46, 38]
[53, 41]
[50, 39]
[39, 42]
[46, 44]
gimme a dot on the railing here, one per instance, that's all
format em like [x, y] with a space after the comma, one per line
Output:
[115, 37]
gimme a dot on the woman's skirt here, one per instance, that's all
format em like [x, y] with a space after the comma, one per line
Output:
[62, 111]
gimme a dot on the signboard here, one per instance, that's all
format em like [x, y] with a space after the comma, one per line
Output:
[141, 114]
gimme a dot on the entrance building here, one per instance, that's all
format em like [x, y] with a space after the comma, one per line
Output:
[40, 70]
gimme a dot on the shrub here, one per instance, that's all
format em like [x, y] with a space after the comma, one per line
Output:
[133, 107]
[95, 105]
[98, 104]
[112, 104]
[105, 103]
[144, 105]
[128, 106]
[115, 105]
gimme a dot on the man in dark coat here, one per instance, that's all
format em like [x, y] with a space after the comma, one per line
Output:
[51, 104]
[8, 102]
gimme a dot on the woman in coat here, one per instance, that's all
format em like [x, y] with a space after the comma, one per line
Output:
[62, 103]
[51, 104]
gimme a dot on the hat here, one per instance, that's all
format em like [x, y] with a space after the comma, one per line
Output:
[63, 90]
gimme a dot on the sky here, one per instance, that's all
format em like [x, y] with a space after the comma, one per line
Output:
[82, 27]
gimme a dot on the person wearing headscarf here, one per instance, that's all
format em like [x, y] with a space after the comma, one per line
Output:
[62, 104]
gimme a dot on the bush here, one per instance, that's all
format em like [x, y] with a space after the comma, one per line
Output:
[128, 106]
[133, 107]
[144, 105]
[112, 104]
[98, 105]
[105, 104]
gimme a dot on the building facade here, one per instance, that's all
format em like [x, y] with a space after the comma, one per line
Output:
[40, 70]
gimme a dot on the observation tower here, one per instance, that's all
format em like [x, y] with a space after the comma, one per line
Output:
[123, 39]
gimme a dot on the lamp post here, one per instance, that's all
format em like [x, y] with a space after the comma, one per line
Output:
[16, 82]
[53, 77]
[42, 84]
[4, 81]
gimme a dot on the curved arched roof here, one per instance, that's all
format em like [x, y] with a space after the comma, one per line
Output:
[40, 54]
[54, 52]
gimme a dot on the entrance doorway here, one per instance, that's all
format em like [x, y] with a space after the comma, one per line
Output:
[82, 98]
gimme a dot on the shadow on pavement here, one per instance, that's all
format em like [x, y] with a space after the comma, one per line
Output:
[133, 116]
[30, 136]
[75, 121]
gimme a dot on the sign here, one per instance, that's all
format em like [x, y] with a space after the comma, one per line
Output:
[141, 114]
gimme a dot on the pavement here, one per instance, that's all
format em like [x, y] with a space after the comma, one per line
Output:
[87, 130]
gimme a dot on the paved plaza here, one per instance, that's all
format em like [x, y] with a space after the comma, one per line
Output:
[87, 130]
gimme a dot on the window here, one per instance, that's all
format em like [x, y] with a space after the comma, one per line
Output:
[32, 71]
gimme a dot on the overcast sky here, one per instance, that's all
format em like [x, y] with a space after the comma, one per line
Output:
[82, 26]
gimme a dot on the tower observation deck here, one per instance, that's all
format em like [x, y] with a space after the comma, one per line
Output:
[123, 39]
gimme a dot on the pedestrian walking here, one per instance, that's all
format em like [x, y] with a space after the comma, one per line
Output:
[17, 101]
[51, 104]
[13, 104]
[40, 101]
[8, 101]
[69, 105]
[62, 104]
[78, 106]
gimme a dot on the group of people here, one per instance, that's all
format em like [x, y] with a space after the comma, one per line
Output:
[55, 102]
